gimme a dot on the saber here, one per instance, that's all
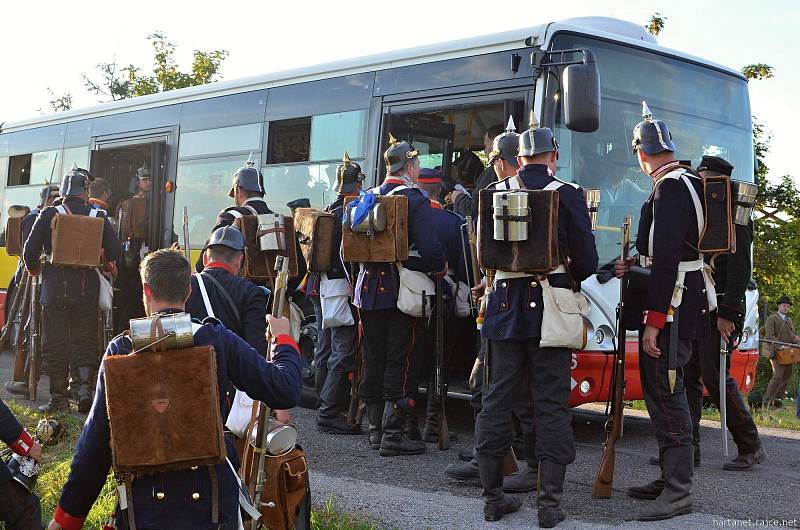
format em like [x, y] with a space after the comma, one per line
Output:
[186, 233]
[723, 369]
[779, 343]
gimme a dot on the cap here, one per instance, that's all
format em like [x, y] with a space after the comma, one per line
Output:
[348, 176]
[429, 176]
[785, 300]
[227, 236]
[398, 154]
[76, 182]
[248, 178]
[715, 164]
[651, 136]
[537, 140]
[299, 203]
[506, 145]
[142, 173]
[48, 191]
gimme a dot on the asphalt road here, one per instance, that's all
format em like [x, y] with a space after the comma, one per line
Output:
[414, 493]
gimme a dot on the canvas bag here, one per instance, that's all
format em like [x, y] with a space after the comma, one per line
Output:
[415, 293]
[562, 317]
[461, 295]
[334, 297]
[105, 300]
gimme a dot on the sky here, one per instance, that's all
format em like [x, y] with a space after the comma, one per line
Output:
[51, 44]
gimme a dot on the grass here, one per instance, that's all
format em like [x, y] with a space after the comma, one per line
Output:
[55, 469]
[782, 418]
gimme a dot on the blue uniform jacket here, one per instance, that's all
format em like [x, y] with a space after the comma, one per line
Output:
[377, 283]
[514, 310]
[250, 300]
[277, 383]
[76, 285]
[675, 239]
[447, 226]
[338, 267]
[25, 230]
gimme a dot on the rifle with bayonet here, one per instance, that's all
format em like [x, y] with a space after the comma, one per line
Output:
[9, 330]
[440, 386]
[605, 474]
[186, 233]
[35, 337]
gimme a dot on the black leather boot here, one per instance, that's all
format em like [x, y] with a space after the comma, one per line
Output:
[745, 461]
[333, 402]
[649, 491]
[59, 394]
[676, 498]
[375, 419]
[550, 491]
[411, 428]
[18, 388]
[497, 504]
[85, 390]
[464, 471]
[393, 441]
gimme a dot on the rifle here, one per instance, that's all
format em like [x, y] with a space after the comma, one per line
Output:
[9, 327]
[19, 332]
[779, 343]
[440, 389]
[605, 473]
[255, 481]
[186, 233]
[35, 337]
[354, 409]
[723, 405]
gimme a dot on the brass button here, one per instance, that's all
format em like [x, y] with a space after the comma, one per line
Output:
[502, 306]
[383, 273]
[193, 468]
[503, 284]
[161, 496]
[703, 311]
[533, 304]
[703, 291]
[195, 496]
[534, 284]
[381, 289]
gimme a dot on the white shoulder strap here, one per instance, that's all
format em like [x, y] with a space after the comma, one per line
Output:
[398, 188]
[252, 210]
[235, 213]
[62, 209]
[553, 185]
[93, 212]
[204, 294]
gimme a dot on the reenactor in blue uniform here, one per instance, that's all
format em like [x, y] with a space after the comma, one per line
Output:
[179, 499]
[69, 298]
[247, 190]
[676, 306]
[19, 508]
[512, 326]
[46, 198]
[388, 332]
[335, 353]
[240, 305]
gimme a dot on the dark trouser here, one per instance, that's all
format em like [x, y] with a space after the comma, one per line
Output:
[19, 509]
[69, 337]
[335, 353]
[128, 302]
[548, 373]
[705, 364]
[388, 342]
[669, 411]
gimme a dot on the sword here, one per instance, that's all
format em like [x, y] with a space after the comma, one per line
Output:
[723, 369]
[672, 362]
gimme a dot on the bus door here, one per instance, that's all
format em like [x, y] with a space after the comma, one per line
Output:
[119, 161]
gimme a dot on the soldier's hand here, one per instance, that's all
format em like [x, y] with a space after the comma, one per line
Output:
[478, 291]
[726, 328]
[53, 525]
[35, 452]
[650, 341]
[283, 417]
[278, 326]
[621, 267]
[476, 373]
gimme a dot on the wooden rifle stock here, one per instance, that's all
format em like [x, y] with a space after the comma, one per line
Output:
[13, 313]
[19, 332]
[605, 473]
[441, 385]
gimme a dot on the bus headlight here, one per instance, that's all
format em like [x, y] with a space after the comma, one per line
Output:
[599, 336]
[745, 336]
[585, 387]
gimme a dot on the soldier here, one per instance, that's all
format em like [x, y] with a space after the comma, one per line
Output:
[465, 202]
[335, 355]
[100, 194]
[388, 332]
[46, 198]
[165, 500]
[675, 311]
[134, 219]
[732, 273]
[69, 297]
[19, 508]
[512, 326]
[247, 190]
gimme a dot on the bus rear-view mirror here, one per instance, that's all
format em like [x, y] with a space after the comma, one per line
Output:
[581, 88]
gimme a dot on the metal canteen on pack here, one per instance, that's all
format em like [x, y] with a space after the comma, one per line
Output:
[744, 200]
[348, 175]
[398, 154]
[506, 145]
[651, 136]
[511, 216]
[176, 335]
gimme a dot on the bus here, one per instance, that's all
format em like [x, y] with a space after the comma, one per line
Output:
[297, 124]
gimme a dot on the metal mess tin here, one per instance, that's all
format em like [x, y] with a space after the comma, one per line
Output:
[744, 196]
[373, 223]
[593, 204]
[511, 216]
[177, 328]
[271, 232]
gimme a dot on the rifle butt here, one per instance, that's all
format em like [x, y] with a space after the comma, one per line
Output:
[605, 474]
[510, 463]
[444, 431]
[19, 363]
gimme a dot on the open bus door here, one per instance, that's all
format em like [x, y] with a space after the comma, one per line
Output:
[431, 136]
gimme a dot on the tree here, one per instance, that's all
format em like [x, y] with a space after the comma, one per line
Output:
[129, 81]
[656, 24]
[60, 103]
[757, 71]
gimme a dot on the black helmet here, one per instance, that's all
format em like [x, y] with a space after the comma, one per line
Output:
[398, 154]
[24, 470]
[302, 202]
[537, 140]
[227, 236]
[348, 176]
[506, 145]
[651, 136]
[48, 191]
[248, 178]
[76, 182]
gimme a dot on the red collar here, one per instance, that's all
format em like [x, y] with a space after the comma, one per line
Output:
[99, 203]
[393, 180]
[220, 265]
[436, 204]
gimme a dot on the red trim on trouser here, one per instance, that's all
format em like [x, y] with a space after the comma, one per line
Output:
[408, 356]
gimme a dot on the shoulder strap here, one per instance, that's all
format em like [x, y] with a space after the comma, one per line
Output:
[398, 188]
[237, 317]
[234, 212]
[63, 209]
[204, 294]
[252, 210]
[93, 212]
[553, 185]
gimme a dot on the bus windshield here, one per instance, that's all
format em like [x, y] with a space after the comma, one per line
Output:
[707, 111]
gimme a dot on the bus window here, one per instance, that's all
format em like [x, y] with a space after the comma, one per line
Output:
[333, 134]
[289, 141]
[20, 170]
[36, 168]
[294, 181]
[78, 155]
[240, 138]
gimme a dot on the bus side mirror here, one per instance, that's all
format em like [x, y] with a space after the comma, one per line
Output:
[581, 88]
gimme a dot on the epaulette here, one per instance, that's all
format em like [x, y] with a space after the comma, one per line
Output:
[209, 320]
[573, 184]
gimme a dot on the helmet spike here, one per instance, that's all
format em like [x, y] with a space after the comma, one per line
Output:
[511, 127]
[532, 123]
[74, 166]
[346, 159]
[392, 140]
[250, 162]
[647, 115]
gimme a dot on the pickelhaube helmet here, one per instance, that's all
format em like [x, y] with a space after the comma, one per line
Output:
[49, 431]
[227, 236]
[651, 136]
[248, 178]
[506, 145]
[536, 140]
[398, 154]
[348, 176]
[48, 191]
[76, 182]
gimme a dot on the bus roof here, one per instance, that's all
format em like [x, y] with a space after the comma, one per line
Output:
[603, 27]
